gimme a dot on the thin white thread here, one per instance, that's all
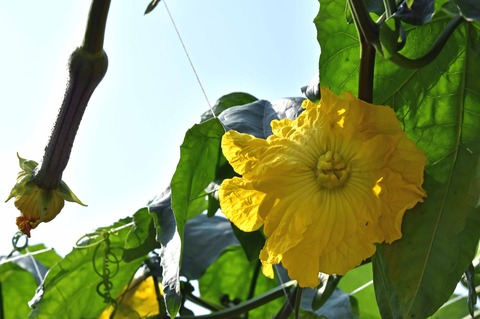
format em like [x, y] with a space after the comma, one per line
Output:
[361, 287]
[285, 293]
[7, 260]
[189, 59]
[34, 264]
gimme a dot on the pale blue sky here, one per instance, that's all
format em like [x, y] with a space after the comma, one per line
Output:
[128, 144]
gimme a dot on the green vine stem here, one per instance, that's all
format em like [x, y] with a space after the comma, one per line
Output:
[433, 52]
[390, 7]
[160, 302]
[288, 306]
[87, 67]
[253, 283]
[298, 299]
[203, 303]
[251, 304]
[370, 42]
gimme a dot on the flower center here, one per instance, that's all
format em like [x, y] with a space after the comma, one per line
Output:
[332, 171]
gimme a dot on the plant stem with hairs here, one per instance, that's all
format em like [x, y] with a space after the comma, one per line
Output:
[87, 67]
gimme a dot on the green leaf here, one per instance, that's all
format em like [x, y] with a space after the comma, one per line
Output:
[229, 279]
[439, 106]
[472, 293]
[357, 282]
[17, 287]
[171, 246]
[340, 49]
[70, 287]
[470, 9]
[456, 307]
[205, 239]
[312, 89]
[253, 118]
[337, 306]
[252, 242]
[389, 34]
[48, 257]
[291, 107]
[141, 238]
[152, 6]
[417, 13]
[199, 155]
[227, 101]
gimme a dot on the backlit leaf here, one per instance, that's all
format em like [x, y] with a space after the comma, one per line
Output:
[439, 108]
[70, 288]
[416, 275]
[17, 287]
[199, 155]
[340, 49]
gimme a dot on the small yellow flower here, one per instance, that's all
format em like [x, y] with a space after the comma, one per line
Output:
[37, 204]
[138, 301]
[326, 187]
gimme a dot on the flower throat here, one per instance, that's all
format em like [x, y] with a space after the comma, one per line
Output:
[332, 170]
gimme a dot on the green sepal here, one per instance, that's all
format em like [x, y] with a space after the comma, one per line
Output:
[67, 194]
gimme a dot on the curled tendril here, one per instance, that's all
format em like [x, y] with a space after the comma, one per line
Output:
[105, 263]
[16, 239]
[85, 241]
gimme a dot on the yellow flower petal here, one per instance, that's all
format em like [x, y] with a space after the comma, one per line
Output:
[240, 203]
[326, 186]
[37, 204]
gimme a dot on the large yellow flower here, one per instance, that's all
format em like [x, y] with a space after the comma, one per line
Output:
[326, 186]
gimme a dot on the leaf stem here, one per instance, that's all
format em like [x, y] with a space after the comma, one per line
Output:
[298, 299]
[248, 305]
[366, 72]
[87, 67]
[369, 40]
[364, 23]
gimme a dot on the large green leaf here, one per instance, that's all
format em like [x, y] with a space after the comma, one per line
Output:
[199, 155]
[48, 257]
[439, 106]
[17, 287]
[142, 237]
[70, 288]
